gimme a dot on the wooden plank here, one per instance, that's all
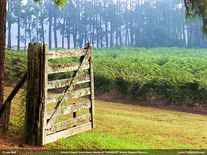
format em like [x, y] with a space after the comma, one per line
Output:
[66, 67]
[14, 92]
[80, 93]
[33, 97]
[68, 133]
[6, 116]
[54, 98]
[75, 94]
[67, 53]
[68, 93]
[66, 82]
[91, 84]
[43, 119]
[69, 123]
[71, 108]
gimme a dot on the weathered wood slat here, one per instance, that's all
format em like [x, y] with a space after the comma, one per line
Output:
[66, 67]
[68, 93]
[75, 94]
[43, 119]
[91, 84]
[54, 98]
[65, 82]
[80, 93]
[69, 123]
[71, 108]
[67, 53]
[68, 133]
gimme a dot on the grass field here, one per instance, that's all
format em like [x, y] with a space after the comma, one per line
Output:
[125, 126]
[121, 126]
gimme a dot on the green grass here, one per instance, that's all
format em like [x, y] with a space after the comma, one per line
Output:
[120, 126]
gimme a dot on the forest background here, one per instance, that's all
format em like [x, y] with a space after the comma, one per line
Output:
[155, 62]
[106, 23]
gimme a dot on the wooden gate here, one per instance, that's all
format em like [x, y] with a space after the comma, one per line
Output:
[50, 130]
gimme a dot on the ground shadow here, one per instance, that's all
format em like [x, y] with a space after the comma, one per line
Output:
[151, 102]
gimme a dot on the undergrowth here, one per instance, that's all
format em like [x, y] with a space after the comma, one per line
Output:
[173, 74]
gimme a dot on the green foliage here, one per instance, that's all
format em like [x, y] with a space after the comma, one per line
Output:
[197, 9]
[61, 3]
[122, 86]
[173, 74]
[103, 83]
[15, 65]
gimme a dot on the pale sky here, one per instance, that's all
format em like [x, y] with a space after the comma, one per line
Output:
[24, 2]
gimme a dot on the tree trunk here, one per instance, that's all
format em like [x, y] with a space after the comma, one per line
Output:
[50, 26]
[106, 31]
[9, 24]
[42, 26]
[131, 24]
[18, 39]
[30, 36]
[189, 36]
[97, 33]
[63, 32]
[37, 33]
[55, 26]
[68, 33]
[2, 49]
[9, 34]
[126, 35]
[85, 29]
[74, 35]
[93, 29]
[137, 29]
[184, 38]
[111, 36]
[43, 33]
[101, 33]
[25, 36]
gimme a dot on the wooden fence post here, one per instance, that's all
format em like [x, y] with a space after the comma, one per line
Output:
[6, 116]
[33, 94]
[91, 84]
[43, 102]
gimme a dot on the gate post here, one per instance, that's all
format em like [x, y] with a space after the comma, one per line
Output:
[33, 94]
[91, 84]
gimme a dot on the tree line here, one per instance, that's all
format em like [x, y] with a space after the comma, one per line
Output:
[105, 23]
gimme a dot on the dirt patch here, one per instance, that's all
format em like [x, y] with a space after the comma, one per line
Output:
[152, 102]
[10, 146]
